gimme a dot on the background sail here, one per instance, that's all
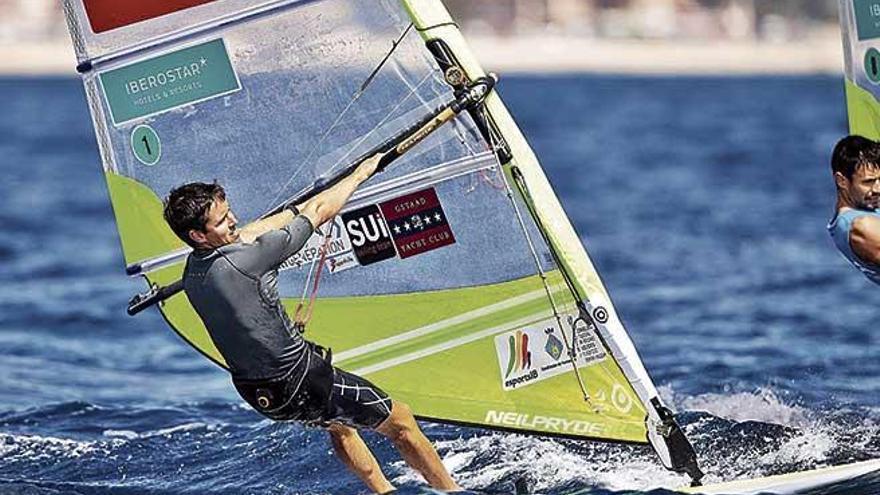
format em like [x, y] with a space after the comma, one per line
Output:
[441, 288]
[860, 26]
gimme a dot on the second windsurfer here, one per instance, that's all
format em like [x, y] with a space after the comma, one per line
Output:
[855, 227]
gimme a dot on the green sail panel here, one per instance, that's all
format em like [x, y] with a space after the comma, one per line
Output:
[436, 351]
[452, 286]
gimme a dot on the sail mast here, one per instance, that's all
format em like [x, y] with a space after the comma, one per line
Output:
[434, 23]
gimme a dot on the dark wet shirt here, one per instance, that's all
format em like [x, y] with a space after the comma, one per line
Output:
[234, 290]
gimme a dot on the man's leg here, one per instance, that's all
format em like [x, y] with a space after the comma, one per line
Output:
[417, 451]
[352, 451]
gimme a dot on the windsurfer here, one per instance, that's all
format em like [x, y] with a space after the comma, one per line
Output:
[855, 227]
[230, 278]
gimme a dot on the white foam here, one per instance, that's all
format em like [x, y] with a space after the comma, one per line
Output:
[166, 432]
[809, 446]
[163, 432]
[761, 405]
[547, 463]
[36, 447]
[126, 434]
[811, 439]
[808, 439]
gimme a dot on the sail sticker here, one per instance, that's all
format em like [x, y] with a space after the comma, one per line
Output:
[554, 347]
[105, 15]
[621, 400]
[340, 253]
[600, 314]
[867, 18]
[417, 223]
[555, 424]
[872, 65]
[161, 84]
[586, 344]
[145, 145]
[369, 235]
[536, 352]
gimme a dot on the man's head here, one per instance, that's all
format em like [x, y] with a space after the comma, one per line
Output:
[199, 214]
[855, 164]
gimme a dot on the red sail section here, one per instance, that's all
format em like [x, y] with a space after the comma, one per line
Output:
[105, 15]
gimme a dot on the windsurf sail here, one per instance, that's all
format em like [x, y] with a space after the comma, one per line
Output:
[454, 279]
[860, 28]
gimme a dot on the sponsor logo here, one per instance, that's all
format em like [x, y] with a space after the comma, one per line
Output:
[544, 423]
[339, 250]
[342, 262]
[520, 358]
[515, 358]
[600, 314]
[553, 346]
[369, 235]
[620, 399]
[169, 81]
[536, 352]
[417, 223]
[520, 379]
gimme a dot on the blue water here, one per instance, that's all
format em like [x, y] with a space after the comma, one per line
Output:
[703, 203]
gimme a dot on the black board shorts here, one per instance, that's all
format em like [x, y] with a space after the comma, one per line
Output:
[317, 393]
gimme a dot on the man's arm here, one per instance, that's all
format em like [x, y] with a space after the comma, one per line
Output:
[319, 209]
[864, 239]
[327, 204]
[249, 233]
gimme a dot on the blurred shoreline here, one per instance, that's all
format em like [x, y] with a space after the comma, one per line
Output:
[539, 54]
[822, 55]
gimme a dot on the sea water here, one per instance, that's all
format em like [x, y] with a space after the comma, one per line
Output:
[703, 203]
